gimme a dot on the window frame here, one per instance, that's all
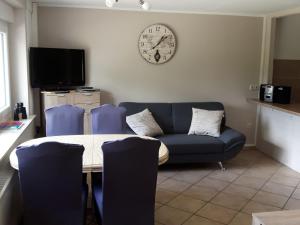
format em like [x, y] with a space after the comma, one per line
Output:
[6, 109]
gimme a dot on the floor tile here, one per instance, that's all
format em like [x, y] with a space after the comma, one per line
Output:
[292, 204]
[171, 216]
[187, 203]
[197, 220]
[161, 178]
[285, 171]
[296, 194]
[242, 219]
[250, 155]
[167, 172]
[279, 189]
[223, 175]
[163, 196]
[239, 190]
[213, 183]
[191, 176]
[174, 185]
[230, 201]
[217, 213]
[270, 199]
[268, 162]
[285, 180]
[256, 207]
[235, 168]
[252, 182]
[259, 172]
[158, 205]
[202, 193]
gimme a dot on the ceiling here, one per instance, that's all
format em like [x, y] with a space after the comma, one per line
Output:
[243, 7]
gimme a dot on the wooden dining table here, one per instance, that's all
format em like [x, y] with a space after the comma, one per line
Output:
[92, 160]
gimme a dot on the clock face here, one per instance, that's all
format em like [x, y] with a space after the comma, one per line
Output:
[157, 44]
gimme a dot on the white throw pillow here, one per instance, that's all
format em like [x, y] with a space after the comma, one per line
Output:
[144, 124]
[206, 122]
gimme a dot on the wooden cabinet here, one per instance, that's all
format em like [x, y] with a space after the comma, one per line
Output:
[85, 100]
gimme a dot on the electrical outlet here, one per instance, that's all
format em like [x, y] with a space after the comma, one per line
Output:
[253, 87]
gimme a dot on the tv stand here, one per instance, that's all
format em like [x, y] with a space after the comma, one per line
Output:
[85, 100]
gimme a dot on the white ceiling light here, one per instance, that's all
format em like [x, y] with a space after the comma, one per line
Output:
[145, 5]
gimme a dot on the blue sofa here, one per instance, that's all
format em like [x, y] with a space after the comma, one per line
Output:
[175, 120]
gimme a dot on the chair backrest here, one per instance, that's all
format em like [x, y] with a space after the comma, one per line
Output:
[51, 183]
[64, 120]
[108, 119]
[129, 181]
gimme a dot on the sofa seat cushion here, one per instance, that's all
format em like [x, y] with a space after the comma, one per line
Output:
[232, 138]
[191, 144]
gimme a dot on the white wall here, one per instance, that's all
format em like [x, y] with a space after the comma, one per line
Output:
[22, 34]
[287, 37]
[18, 59]
[217, 58]
[6, 12]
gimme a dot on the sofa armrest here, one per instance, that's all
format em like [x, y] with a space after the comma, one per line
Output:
[232, 138]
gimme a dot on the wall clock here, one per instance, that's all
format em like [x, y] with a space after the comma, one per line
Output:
[157, 44]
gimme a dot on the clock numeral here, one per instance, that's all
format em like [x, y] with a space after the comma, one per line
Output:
[170, 52]
[145, 36]
[172, 44]
[165, 58]
[157, 29]
[144, 52]
[150, 30]
[165, 30]
[142, 44]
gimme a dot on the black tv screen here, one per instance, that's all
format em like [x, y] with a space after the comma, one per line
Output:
[56, 68]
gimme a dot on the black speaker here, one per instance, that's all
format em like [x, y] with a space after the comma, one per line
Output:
[282, 94]
[262, 92]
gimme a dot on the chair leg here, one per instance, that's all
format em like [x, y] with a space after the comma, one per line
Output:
[221, 166]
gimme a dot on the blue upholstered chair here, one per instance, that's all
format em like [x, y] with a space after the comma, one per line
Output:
[108, 119]
[51, 184]
[125, 191]
[64, 120]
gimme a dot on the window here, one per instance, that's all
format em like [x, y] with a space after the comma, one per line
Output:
[4, 85]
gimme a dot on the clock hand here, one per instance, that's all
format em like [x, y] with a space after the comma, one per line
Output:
[162, 39]
[157, 56]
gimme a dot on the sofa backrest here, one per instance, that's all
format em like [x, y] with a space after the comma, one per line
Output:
[172, 117]
[182, 114]
[162, 113]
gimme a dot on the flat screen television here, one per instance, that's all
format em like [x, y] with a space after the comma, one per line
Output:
[54, 68]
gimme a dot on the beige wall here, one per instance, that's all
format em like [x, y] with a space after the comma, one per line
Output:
[287, 37]
[217, 58]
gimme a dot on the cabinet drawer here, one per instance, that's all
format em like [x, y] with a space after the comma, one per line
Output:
[88, 107]
[87, 98]
[51, 100]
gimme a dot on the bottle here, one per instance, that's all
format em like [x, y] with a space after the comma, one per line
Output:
[16, 112]
[23, 111]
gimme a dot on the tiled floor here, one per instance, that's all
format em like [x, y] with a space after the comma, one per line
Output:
[205, 195]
